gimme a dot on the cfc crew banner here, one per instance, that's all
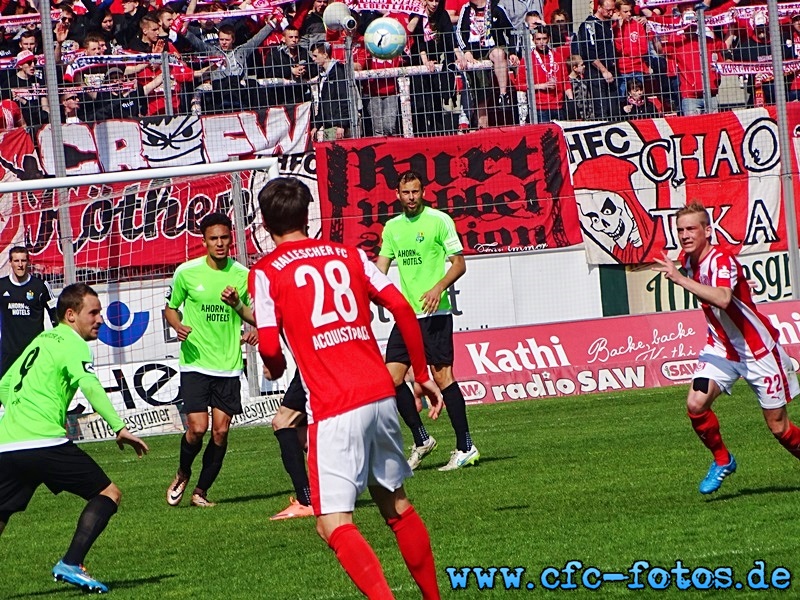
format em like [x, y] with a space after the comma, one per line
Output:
[507, 191]
[629, 178]
[145, 224]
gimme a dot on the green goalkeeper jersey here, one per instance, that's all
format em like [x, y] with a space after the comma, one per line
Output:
[214, 345]
[38, 388]
[421, 245]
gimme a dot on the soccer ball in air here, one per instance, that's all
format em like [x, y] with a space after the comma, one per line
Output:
[385, 38]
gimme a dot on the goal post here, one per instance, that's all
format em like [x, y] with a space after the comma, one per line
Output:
[130, 231]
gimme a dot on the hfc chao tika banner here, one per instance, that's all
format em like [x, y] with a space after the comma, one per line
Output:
[629, 179]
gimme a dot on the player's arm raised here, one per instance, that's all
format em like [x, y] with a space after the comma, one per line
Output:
[720, 297]
[230, 296]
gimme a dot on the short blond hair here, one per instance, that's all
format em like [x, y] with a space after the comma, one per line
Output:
[694, 208]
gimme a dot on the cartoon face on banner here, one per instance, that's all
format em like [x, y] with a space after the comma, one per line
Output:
[173, 141]
[608, 219]
[613, 217]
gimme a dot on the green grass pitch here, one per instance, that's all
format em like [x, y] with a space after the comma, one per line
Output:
[602, 479]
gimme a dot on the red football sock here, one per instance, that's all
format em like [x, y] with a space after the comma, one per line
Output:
[706, 426]
[360, 562]
[415, 546]
[791, 440]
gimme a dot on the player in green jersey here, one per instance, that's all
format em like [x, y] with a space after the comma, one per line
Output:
[211, 356]
[421, 240]
[34, 448]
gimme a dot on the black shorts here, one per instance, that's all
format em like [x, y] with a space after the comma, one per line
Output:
[295, 396]
[437, 336]
[199, 391]
[62, 468]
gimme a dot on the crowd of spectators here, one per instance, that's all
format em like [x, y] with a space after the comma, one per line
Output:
[627, 61]
[475, 59]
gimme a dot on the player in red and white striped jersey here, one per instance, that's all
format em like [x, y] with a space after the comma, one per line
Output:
[741, 343]
[317, 294]
[738, 332]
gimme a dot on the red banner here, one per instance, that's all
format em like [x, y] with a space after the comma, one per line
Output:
[630, 178]
[148, 224]
[507, 192]
[600, 355]
[145, 224]
[16, 157]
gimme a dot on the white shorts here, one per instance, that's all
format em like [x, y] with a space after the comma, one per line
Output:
[772, 377]
[348, 452]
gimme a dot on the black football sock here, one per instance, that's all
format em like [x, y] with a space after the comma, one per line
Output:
[188, 454]
[457, 411]
[294, 463]
[4, 517]
[92, 522]
[212, 464]
[408, 411]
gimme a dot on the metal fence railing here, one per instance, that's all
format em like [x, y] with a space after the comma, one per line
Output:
[616, 68]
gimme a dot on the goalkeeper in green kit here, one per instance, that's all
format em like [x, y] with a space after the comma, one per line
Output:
[34, 448]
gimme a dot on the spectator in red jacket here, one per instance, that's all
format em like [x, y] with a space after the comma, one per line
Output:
[684, 48]
[10, 115]
[630, 41]
[549, 78]
[380, 95]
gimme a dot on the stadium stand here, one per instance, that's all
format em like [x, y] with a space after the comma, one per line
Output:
[462, 66]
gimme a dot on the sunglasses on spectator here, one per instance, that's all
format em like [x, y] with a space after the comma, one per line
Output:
[71, 98]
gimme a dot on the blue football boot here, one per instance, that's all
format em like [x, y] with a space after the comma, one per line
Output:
[716, 474]
[77, 576]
